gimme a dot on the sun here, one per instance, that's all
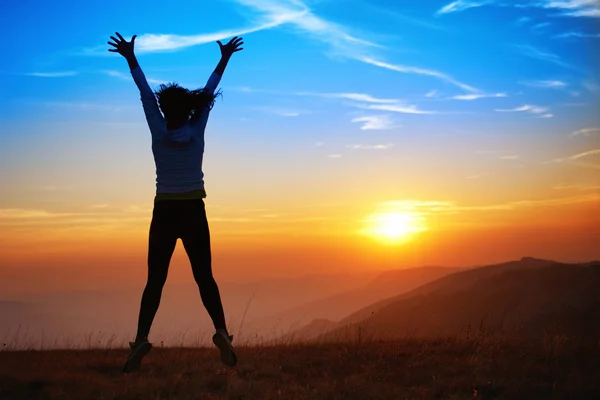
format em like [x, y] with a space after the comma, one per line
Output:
[394, 227]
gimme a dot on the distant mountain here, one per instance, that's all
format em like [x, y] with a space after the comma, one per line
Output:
[336, 307]
[529, 297]
[453, 283]
[72, 316]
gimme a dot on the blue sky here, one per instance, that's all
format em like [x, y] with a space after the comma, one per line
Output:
[477, 118]
[350, 81]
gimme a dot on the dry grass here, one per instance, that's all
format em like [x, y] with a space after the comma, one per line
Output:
[553, 368]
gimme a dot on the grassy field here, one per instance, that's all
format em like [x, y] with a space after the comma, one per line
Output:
[552, 368]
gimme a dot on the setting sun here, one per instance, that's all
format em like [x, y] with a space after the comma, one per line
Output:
[394, 227]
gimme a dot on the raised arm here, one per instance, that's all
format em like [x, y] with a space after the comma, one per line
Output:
[227, 50]
[153, 116]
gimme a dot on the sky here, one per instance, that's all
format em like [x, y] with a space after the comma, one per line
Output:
[352, 135]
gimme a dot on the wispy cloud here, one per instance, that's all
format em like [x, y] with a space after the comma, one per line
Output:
[568, 35]
[151, 43]
[301, 18]
[341, 42]
[576, 187]
[476, 176]
[572, 8]
[584, 154]
[512, 157]
[537, 28]
[443, 207]
[424, 23]
[522, 20]
[400, 108]
[367, 98]
[575, 159]
[461, 5]
[432, 94]
[419, 71]
[545, 84]
[121, 75]
[533, 52]
[60, 74]
[525, 108]
[548, 115]
[375, 122]
[585, 132]
[475, 96]
[370, 147]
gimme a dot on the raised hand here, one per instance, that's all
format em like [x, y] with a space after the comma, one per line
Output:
[231, 47]
[122, 46]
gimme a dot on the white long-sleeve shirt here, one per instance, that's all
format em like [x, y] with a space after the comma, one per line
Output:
[177, 153]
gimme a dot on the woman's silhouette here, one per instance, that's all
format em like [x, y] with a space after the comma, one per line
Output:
[179, 209]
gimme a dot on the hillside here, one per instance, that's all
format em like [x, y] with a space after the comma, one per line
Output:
[529, 302]
[339, 306]
[407, 369]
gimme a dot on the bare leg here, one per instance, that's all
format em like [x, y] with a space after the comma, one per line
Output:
[161, 245]
[196, 241]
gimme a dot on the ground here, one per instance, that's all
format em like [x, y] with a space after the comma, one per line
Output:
[550, 368]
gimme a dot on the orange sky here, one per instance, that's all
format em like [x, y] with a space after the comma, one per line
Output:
[104, 246]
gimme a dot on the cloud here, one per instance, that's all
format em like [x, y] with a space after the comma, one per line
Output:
[461, 5]
[575, 159]
[60, 74]
[444, 207]
[541, 26]
[526, 108]
[370, 147]
[591, 86]
[513, 157]
[341, 42]
[522, 20]
[474, 96]
[574, 8]
[408, 19]
[546, 116]
[367, 98]
[432, 94]
[585, 132]
[533, 52]
[419, 71]
[361, 97]
[375, 122]
[545, 84]
[568, 35]
[476, 176]
[403, 109]
[121, 75]
[306, 22]
[584, 154]
[152, 43]
[576, 187]
[571, 8]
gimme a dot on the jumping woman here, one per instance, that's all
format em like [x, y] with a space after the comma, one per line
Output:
[179, 210]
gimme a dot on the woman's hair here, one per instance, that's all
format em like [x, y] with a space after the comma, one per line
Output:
[178, 102]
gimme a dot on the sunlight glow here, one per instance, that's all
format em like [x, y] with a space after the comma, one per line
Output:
[394, 227]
